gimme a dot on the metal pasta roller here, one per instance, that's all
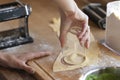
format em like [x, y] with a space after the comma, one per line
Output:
[17, 36]
[97, 13]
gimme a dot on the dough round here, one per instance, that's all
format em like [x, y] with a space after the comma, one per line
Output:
[75, 58]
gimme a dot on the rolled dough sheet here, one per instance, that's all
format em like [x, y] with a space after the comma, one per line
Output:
[69, 58]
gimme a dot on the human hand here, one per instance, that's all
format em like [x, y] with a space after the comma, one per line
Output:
[19, 61]
[75, 19]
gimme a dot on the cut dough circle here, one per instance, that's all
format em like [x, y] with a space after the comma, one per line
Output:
[75, 59]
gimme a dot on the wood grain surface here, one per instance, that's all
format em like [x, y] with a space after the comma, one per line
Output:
[45, 39]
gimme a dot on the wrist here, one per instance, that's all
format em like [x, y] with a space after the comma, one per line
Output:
[71, 10]
[67, 6]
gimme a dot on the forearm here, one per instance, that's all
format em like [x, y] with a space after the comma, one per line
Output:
[68, 6]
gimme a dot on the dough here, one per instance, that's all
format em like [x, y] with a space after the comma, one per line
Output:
[73, 55]
[75, 59]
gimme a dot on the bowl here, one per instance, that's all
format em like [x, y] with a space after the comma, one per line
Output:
[107, 73]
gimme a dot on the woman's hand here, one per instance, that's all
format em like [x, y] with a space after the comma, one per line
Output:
[75, 18]
[72, 16]
[19, 61]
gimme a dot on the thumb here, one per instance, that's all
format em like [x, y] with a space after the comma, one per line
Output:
[27, 68]
[65, 27]
[63, 38]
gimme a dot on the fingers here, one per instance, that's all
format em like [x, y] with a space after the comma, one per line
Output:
[63, 38]
[83, 31]
[27, 68]
[12, 61]
[84, 25]
[79, 19]
[21, 64]
[37, 55]
[29, 56]
[65, 26]
[87, 44]
[84, 37]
